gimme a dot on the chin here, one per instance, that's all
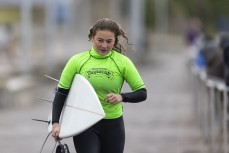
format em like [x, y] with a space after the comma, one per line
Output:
[103, 53]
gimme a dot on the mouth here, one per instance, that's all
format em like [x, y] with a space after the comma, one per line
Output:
[103, 51]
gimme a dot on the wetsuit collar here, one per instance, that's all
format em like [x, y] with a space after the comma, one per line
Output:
[93, 53]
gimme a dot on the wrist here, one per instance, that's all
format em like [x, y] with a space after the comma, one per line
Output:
[123, 97]
[55, 122]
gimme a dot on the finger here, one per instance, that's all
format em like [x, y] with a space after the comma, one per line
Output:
[113, 99]
[108, 96]
[55, 132]
[56, 135]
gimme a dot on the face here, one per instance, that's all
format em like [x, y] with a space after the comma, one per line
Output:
[103, 41]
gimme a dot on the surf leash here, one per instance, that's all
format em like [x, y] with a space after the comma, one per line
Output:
[45, 141]
[54, 146]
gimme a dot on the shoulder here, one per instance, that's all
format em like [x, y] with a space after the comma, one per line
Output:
[80, 57]
[118, 57]
[121, 59]
[77, 59]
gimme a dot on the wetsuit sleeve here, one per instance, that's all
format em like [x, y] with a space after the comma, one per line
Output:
[135, 97]
[68, 73]
[64, 85]
[131, 76]
[58, 103]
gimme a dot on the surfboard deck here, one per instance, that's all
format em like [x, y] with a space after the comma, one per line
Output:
[82, 109]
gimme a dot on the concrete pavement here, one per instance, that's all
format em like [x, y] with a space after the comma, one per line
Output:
[165, 122]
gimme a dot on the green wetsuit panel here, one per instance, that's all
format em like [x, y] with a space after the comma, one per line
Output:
[105, 73]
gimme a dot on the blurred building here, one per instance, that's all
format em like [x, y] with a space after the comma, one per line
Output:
[46, 28]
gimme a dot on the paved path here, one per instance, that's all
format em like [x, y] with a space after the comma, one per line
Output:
[165, 123]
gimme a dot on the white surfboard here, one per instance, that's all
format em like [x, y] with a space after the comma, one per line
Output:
[82, 109]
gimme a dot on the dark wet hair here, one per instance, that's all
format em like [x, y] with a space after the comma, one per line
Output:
[109, 24]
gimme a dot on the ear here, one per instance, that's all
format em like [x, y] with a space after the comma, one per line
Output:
[93, 39]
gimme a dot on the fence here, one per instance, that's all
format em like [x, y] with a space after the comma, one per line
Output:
[211, 106]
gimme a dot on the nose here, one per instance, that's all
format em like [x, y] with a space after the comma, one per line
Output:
[104, 44]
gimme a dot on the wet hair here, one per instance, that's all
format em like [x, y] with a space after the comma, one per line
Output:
[109, 24]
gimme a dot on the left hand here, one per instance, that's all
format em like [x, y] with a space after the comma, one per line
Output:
[113, 98]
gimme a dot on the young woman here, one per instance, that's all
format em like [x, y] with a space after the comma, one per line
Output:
[106, 68]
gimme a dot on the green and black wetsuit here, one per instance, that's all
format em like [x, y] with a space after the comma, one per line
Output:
[106, 74]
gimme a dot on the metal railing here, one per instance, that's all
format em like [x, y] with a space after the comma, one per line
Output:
[211, 107]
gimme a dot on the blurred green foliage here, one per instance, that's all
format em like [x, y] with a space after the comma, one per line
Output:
[149, 13]
[208, 11]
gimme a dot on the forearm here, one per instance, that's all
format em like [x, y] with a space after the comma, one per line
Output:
[135, 96]
[58, 103]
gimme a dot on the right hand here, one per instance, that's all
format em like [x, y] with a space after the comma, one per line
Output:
[56, 131]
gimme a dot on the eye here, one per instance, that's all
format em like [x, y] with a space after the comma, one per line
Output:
[101, 40]
[109, 41]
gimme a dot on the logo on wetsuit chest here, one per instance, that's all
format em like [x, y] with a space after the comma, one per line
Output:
[99, 72]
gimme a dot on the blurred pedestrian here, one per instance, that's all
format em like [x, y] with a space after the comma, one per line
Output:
[223, 24]
[213, 57]
[194, 31]
[194, 42]
[224, 44]
[110, 68]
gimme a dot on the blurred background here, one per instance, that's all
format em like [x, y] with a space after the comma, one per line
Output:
[176, 48]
